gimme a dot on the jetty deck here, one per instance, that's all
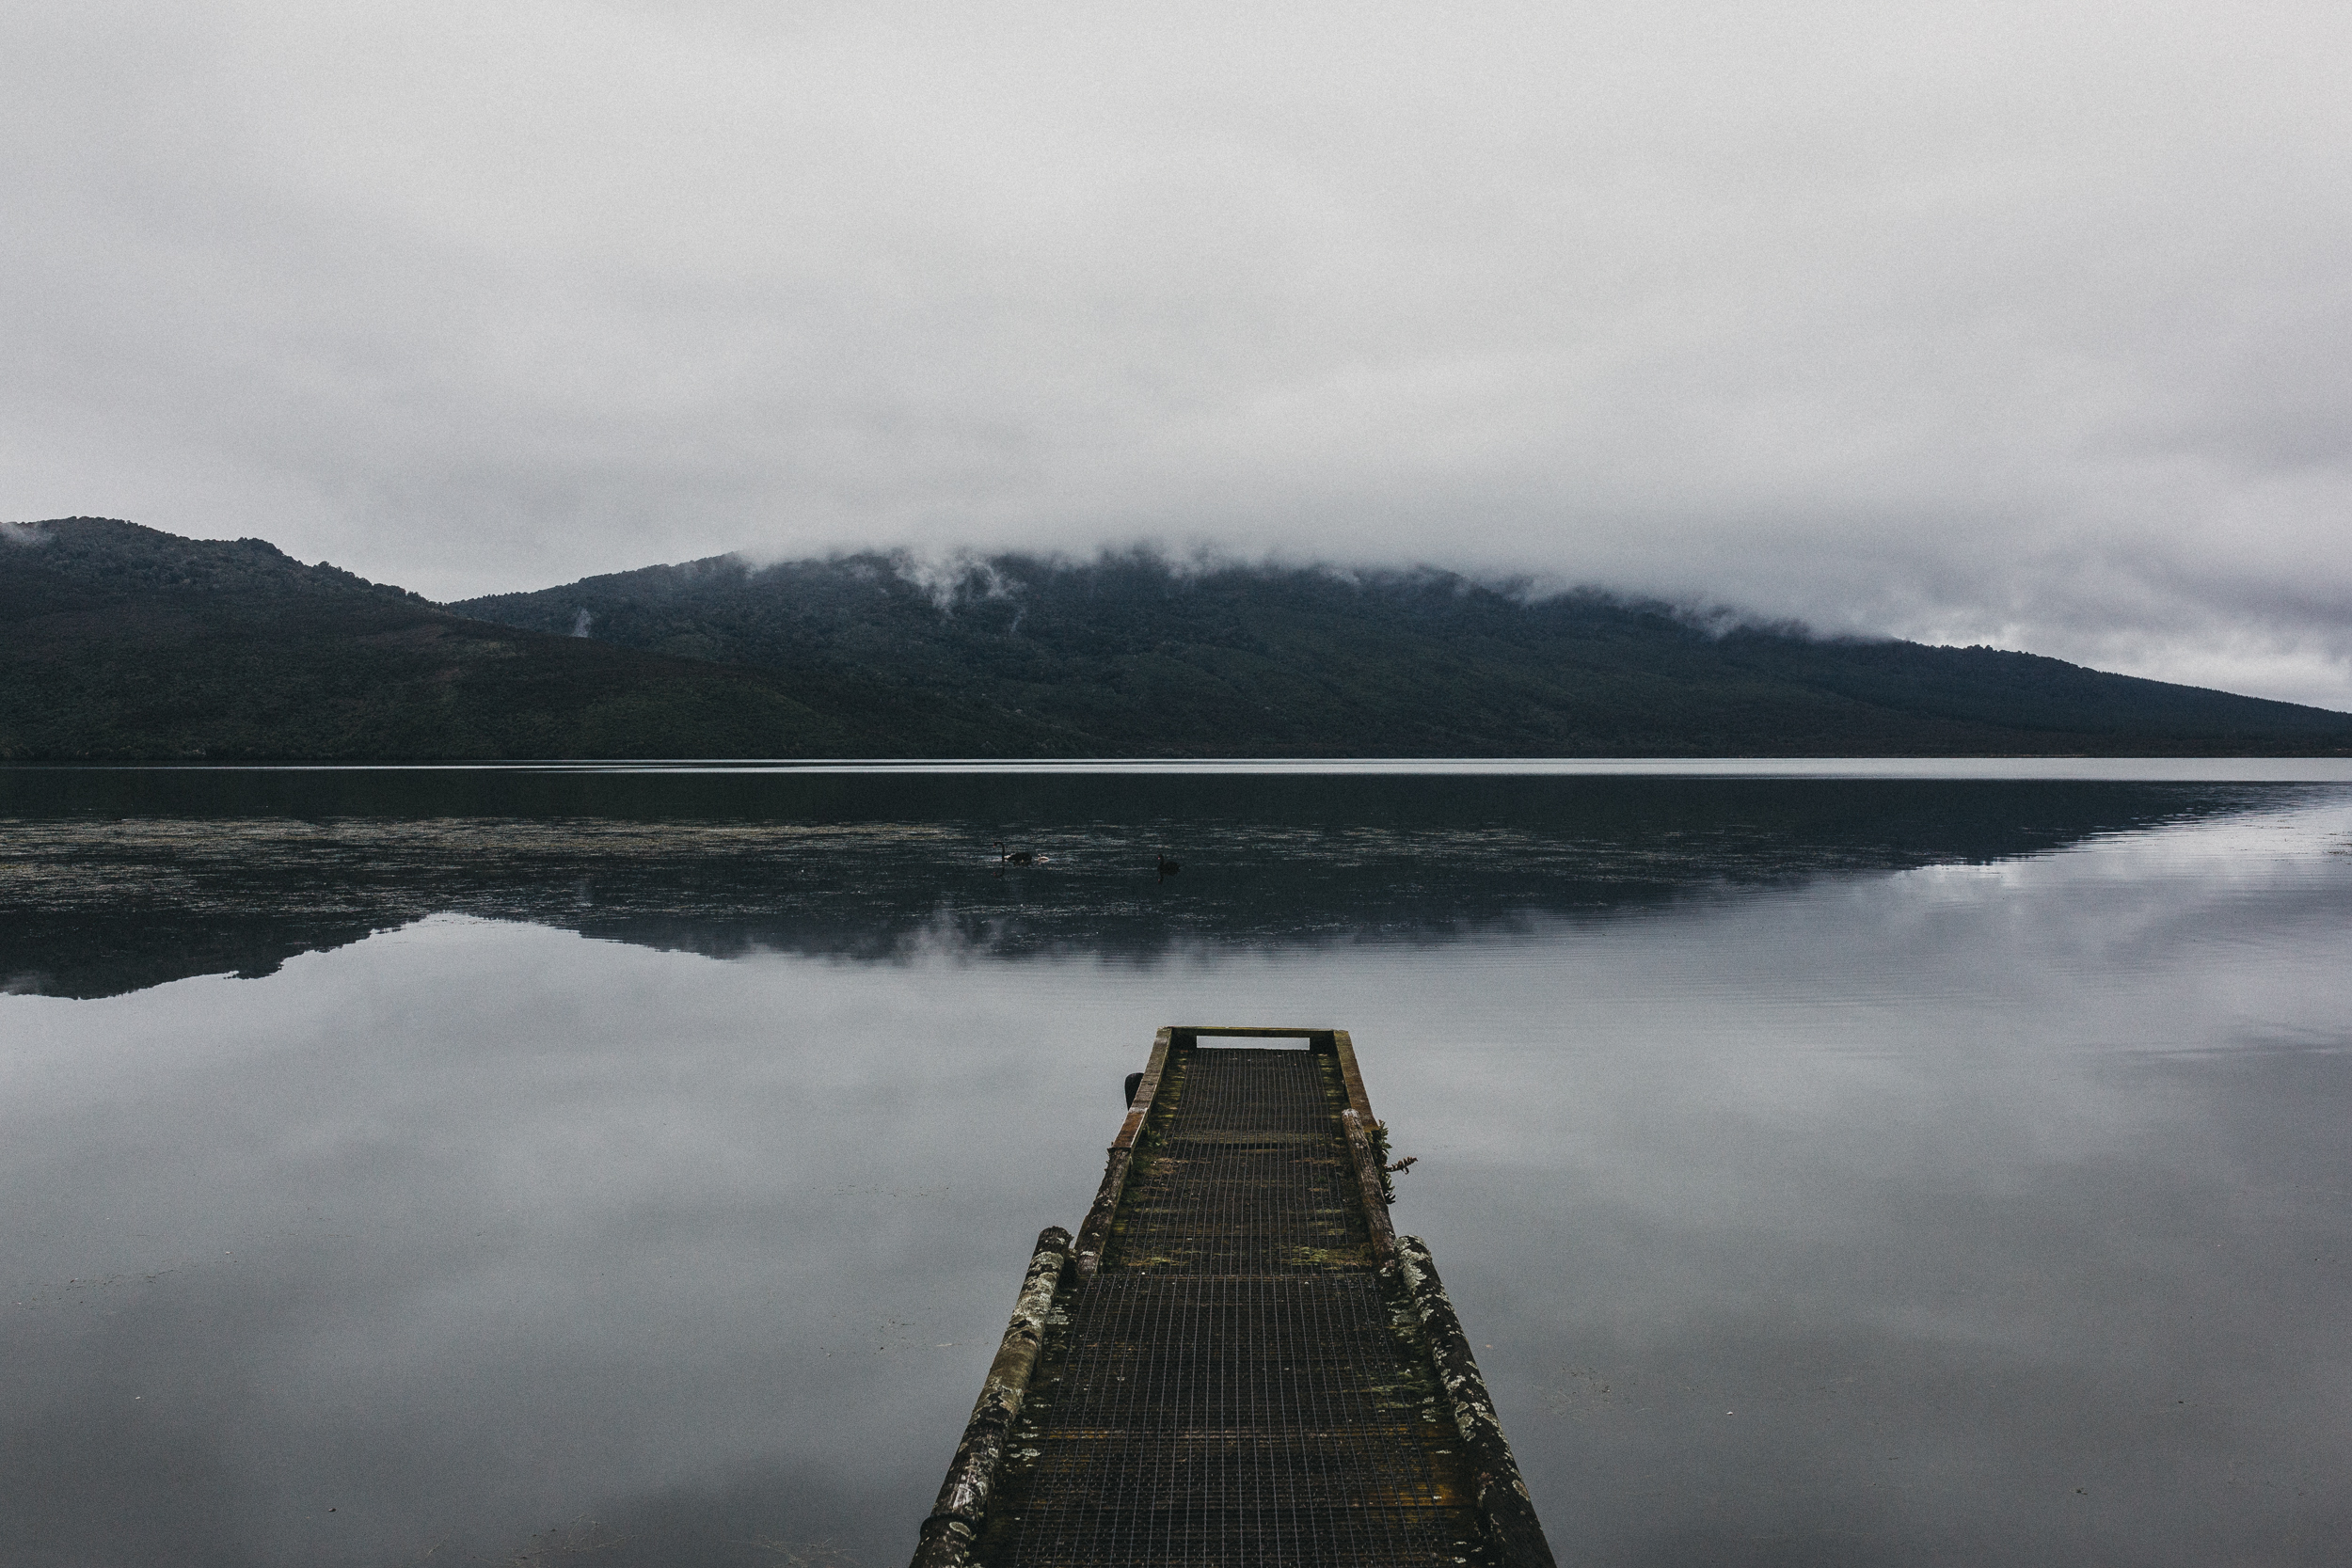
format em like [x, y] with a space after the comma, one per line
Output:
[1235, 1361]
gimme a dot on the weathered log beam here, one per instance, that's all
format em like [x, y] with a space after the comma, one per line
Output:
[1368, 1177]
[1502, 1498]
[963, 1505]
[1358, 1100]
[1356, 1122]
[1095, 1232]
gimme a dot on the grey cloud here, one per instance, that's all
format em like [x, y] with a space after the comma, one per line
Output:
[1988, 325]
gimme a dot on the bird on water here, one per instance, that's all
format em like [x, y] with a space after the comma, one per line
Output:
[1016, 857]
[1167, 867]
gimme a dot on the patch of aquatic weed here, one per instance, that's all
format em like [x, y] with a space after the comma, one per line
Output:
[805, 1554]
[560, 1544]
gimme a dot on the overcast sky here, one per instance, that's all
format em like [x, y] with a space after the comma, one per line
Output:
[1980, 323]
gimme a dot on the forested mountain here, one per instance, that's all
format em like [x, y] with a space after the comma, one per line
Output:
[1132, 655]
[121, 641]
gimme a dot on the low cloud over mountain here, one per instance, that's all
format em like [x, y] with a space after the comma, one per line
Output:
[2008, 324]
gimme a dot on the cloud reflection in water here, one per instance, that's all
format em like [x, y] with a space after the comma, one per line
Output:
[1962, 1213]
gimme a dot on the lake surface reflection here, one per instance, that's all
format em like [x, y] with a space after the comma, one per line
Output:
[640, 1167]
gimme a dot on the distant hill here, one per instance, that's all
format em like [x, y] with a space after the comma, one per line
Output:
[1128, 655]
[123, 642]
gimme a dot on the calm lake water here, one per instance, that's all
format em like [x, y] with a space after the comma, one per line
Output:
[638, 1166]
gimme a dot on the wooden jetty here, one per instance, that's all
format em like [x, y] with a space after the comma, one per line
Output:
[1236, 1363]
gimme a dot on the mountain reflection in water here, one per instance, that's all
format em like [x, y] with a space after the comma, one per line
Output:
[1831, 1172]
[115, 880]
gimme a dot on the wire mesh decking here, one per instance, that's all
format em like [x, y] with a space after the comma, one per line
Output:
[1236, 1379]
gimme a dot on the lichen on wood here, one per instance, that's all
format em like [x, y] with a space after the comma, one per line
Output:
[1501, 1494]
[962, 1504]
